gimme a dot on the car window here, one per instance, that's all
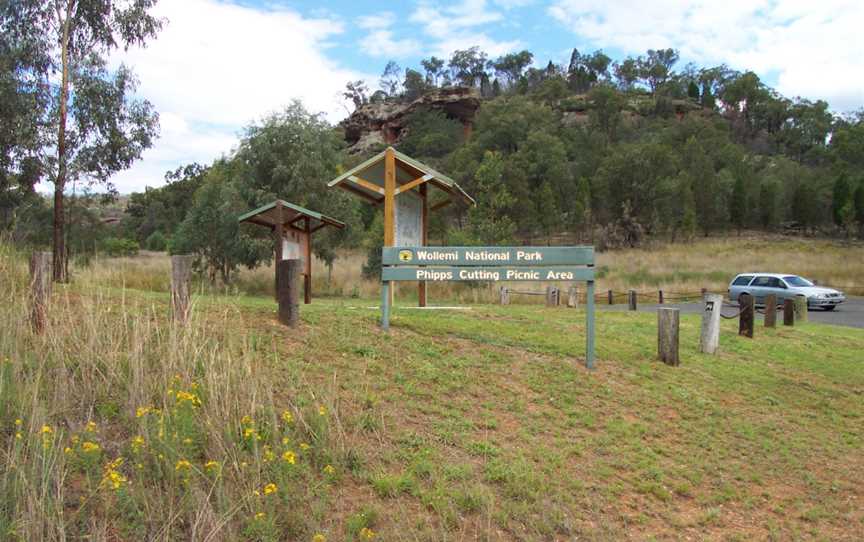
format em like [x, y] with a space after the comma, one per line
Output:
[793, 280]
[743, 280]
[774, 282]
[762, 281]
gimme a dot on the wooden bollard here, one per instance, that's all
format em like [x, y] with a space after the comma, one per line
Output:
[771, 310]
[745, 319]
[572, 297]
[287, 272]
[40, 289]
[709, 339]
[660, 296]
[504, 295]
[631, 299]
[181, 274]
[611, 297]
[551, 296]
[703, 292]
[800, 307]
[788, 312]
[667, 336]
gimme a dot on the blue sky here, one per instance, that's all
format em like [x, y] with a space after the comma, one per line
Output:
[219, 65]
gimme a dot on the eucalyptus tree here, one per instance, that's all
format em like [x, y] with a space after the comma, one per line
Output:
[95, 127]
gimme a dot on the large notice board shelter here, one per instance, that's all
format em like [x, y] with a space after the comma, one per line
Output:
[292, 228]
[408, 190]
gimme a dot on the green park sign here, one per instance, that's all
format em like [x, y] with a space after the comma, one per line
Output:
[493, 264]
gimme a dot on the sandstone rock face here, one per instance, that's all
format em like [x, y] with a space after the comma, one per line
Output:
[374, 124]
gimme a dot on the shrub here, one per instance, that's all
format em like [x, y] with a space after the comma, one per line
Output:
[157, 242]
[115, 247]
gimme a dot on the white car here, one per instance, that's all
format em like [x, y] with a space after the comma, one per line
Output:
[784, 287]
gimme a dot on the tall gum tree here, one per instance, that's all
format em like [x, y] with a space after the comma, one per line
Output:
[95, 126]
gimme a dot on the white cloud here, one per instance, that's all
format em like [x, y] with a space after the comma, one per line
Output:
[455, 26]
[380, 41]
[813, 48]
[217, 66]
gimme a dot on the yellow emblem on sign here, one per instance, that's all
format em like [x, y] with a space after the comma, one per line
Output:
[405, 255]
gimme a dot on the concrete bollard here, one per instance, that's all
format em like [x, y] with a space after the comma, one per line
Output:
[800, 307]
[573, 297]
[709, 339]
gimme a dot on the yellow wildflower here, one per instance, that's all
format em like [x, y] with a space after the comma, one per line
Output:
[140, 412]
[137, 443]
[91, 427]
[319, 538]
[18, 422]
[270, 488]
[187, 441]
[322, 411]
[114, 479]
[289, 457]
[88, 446]
[67, 450]
[249, 432]
[246, 420]
[329, 469]
[260, 515]
[367, 533]
[186, 397]
[287, 417]
[211, 465]
[46, 430]
[304, 446]
[182, 464]
[18, 435]
[268, 455]
[285, 441]
[75, 439]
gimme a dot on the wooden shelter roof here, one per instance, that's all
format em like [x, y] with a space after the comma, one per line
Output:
[267, 215]
[367, 179]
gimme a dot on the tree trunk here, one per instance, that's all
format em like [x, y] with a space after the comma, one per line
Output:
[60, 256]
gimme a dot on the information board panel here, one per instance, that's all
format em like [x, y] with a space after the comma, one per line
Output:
[494, 274]
[480, 256]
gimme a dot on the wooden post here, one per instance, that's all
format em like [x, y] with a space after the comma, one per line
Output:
[307, 273]
[709, 339]
[770, 310]
[504, 294]
[289, 307]
[660, 296]
[703, 292]
[788, 312]
[390, 204]
[424, 228]
[589, 325]
[278, 237]
[745, 320]
[573, 297]
[181, 275]
[551, 296]
[667, 336]
[631, 298]
[611, 297]
[40, 289]
[385, 306]
[800, 307]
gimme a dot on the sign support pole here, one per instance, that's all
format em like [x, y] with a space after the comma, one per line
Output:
[589, 326]
[385, 305]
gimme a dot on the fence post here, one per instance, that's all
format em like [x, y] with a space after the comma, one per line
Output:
[788, 312]
[667, 336]
[611, 297]
[551, 296]
[771, 310]
[745, 320]
[660, 296]
[800, 307]
[709, 339]
[504, 295]
[573, 297]
[40, 289]
[703, 292]
[289, 307]
[181, 273]
[631, 299]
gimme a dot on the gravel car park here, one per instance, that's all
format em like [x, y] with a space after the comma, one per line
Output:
[784, 287]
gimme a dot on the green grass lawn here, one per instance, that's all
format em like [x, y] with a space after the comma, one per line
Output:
[484, 424]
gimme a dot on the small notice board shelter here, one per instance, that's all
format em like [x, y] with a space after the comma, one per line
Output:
[402, 185]
[292, 228]
[494, 264]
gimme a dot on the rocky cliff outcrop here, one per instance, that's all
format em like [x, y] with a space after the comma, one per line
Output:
[384, 123]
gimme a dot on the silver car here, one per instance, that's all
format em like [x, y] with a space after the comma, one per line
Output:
[784, 287]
